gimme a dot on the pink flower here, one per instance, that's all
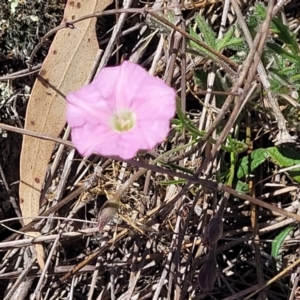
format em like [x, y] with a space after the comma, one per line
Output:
[122, 111]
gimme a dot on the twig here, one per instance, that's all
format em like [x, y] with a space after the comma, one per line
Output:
[226, 63]
[115, 34]
[47, 238]
[37, 290]
[275, 278]
[22, 282]
[35, 134]
[22, 73]
[85, 186]
[223, 60]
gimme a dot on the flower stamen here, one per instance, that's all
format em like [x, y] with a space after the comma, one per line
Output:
[123, 121]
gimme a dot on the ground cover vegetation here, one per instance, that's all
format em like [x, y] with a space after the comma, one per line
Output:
[210, 212]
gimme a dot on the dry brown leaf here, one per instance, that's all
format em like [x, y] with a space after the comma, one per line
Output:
[66, 68]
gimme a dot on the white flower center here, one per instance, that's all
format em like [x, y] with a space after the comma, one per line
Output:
[123, 120]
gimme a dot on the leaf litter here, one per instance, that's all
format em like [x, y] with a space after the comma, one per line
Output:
[144, 228]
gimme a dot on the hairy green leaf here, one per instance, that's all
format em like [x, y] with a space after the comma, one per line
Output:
[284, 34]
[209, 36]
[228, 41]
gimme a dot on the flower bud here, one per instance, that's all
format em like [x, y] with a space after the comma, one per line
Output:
[214, 230]
[208, 273]
[107, 212]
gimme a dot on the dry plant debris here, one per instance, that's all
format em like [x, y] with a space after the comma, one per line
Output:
[211, 213]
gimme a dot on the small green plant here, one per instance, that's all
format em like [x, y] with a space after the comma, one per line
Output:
[202, 31]
[282, 53]
[280, 156]
[208, 36]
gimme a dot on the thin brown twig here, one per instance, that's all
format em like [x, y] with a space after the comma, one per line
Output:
[220, 187]
[283, 135]
[226, 63]
[86, 185]
[22, 73]
[36, 134]
[132, 162]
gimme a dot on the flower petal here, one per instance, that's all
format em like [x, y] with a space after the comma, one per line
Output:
[127, 87]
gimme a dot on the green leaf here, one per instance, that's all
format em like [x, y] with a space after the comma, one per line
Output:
[279, 83]
[278, 241]
[199, 50]
[208, 35]
[286, 157]
[200, 78]
[260, 9]
[221, 44]
[235, 146]
[192, 44]
[283, 53]
[284, 34]
[170, 182]
[179, 112]
[155, 24]
[176, 122]
[242, 187]
[291, 71]
[250, 162]
[228, 40]
[295, 77]
[234, 43]
[186, 122]
[279, 28]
